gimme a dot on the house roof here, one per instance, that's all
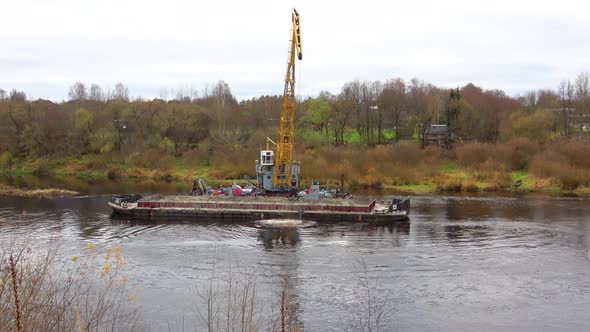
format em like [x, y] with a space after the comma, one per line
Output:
[437, 129]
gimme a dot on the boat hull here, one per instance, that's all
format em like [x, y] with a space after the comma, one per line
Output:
[259, 208]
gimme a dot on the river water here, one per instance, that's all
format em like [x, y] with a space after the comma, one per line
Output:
[461, 263]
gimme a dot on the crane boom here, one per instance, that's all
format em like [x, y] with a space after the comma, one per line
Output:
[276, 171]
[283, 171]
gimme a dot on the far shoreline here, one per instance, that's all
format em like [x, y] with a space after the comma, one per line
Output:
[60, 188]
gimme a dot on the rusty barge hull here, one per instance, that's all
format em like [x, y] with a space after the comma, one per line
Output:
[258, 208]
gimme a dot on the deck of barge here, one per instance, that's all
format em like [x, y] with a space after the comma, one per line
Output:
[259, 208]
[255, 203]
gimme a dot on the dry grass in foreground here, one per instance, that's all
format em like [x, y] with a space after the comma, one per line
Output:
[230, 301]
[38, 292]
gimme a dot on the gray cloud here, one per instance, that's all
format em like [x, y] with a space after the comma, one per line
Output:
[148, 45]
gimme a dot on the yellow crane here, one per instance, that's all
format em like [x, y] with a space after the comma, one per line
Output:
[281, 167]
[286, 140]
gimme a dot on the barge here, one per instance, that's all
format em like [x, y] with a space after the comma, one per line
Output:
[247, 208]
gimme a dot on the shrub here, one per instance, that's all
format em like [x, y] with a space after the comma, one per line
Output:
[469, 186]
[352, 136]
[570, 181]
[433, 156]
[473, 154]
[7, 160]
[535, 126]
[97, 163]
[521, 153]
[197, 156]
[577, 154]
[103, 140]
[403, 175]
[397, 164]
[551, 164]
[41, 292]
[167, 145]
[114, 173]
[224, 167]
[406, 152]
[444, 183]
[41, 167]
[492, 165]
[373, 178]
[518, 153]
[315, 139]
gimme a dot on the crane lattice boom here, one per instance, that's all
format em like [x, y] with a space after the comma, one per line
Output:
[283, 170]
[276, 171]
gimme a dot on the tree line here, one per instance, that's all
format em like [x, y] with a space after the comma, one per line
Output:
[97, 121]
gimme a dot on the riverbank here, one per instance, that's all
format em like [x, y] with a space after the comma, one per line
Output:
[6, 190]
[466, 182]
[448, 178]
[517, 166]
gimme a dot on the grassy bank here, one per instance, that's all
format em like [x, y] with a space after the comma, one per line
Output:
[554, 168]
[106, 167]
[467, 184]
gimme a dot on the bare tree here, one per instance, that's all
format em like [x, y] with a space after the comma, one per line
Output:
[340, 113]
[351, 92]
[394, 103]
[194, 93]
[582, 102]
[78, 92]
[164, 94]
[206, 91]
[222, 94]
[418, 105]
[3, 95]
[436, 103]
[375, 302]
[547, 99]
[187, 93]
[377, 105]
[530, 100]
[369, 92]
[121, 92]
[231, 301]
[566, 95]
[582, 85]
[95, 93]
[18, 96]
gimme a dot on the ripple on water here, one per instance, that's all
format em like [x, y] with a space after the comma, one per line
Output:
[460, 264]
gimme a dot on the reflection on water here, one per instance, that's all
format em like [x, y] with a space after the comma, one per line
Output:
[513, 263]
[279, 238]
[287, 270]
[98, 186]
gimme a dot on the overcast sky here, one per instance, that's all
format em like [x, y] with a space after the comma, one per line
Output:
[513, 45]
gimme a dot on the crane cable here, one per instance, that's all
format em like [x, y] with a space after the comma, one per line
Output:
[299, 100]
[298, 82]
[298, 86]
